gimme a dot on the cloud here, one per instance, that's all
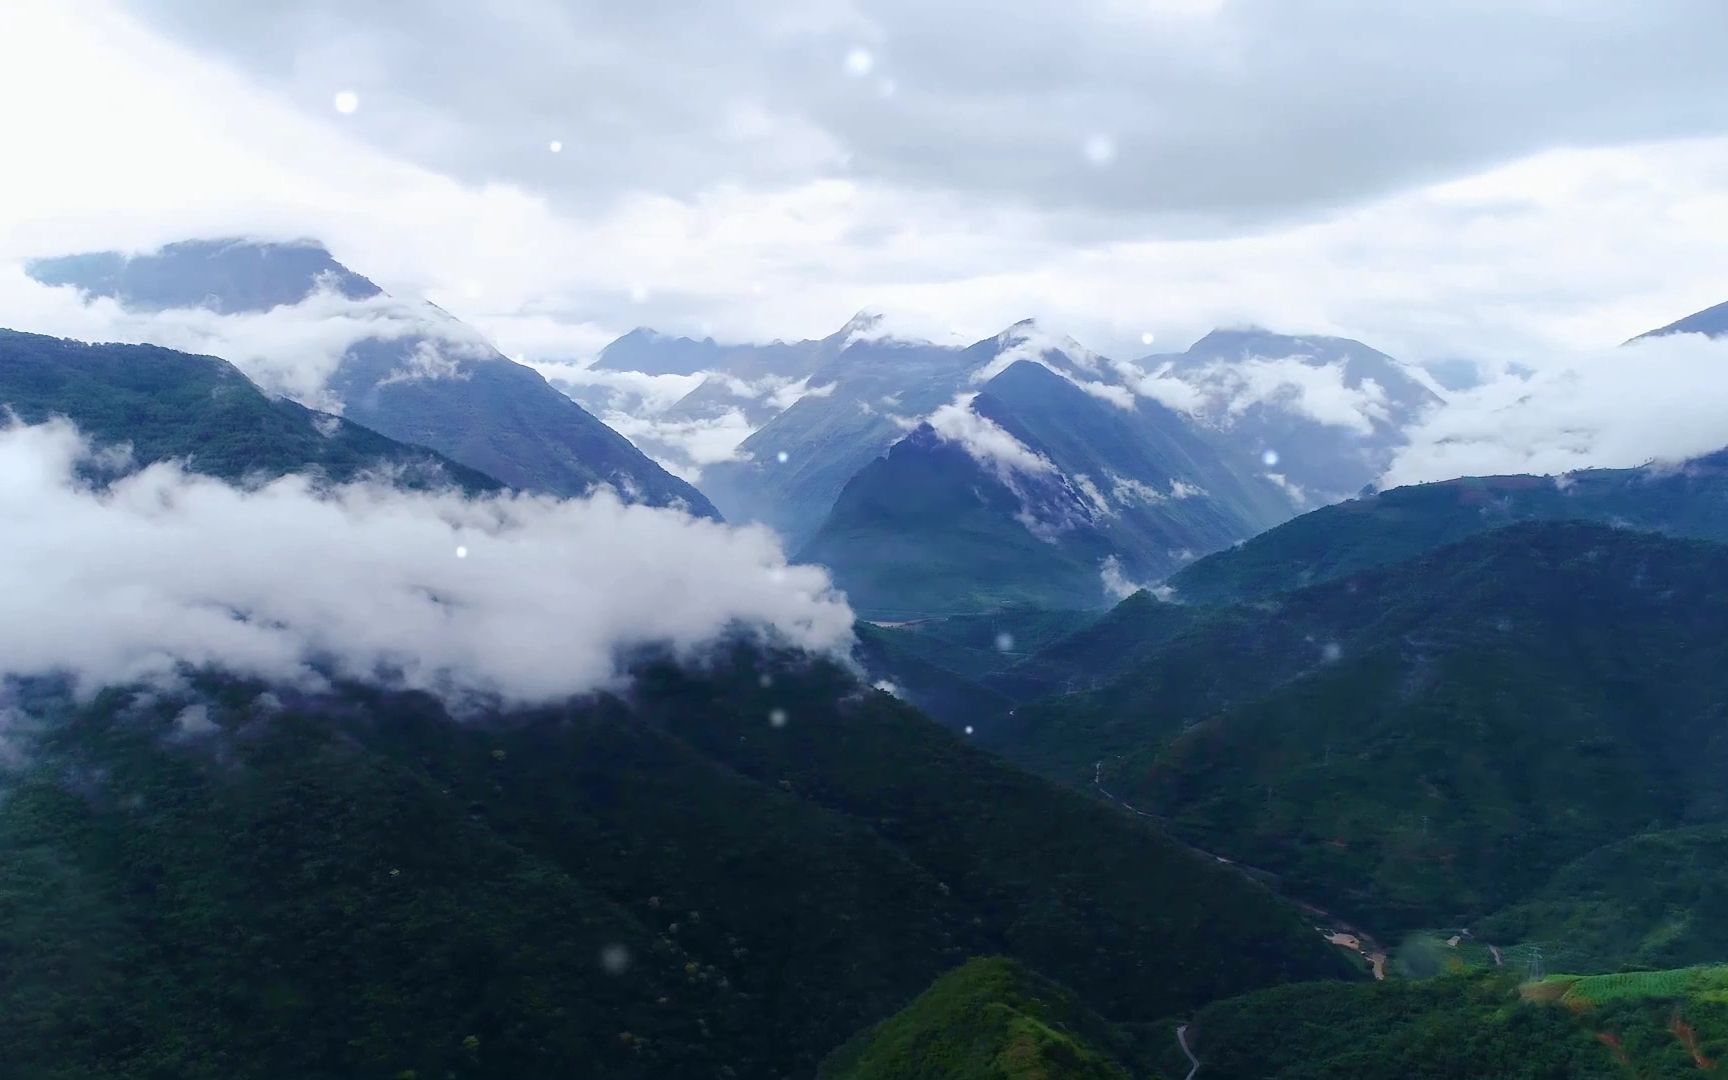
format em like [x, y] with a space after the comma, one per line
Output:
[1128, 490]
[608, 389]
[1660, 398]
[1119, 396]
[1175, 110]
[685, 446]
[1321, 392]
[758, 191]
[986, 442]
[1119, 586]
[528, 598]
[1162, 386]
[1028, 340]
[291, 350]
[1297, 495]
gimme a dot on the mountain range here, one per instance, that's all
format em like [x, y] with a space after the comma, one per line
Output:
[1034, 491]
[358, 883]
[163, 405]
[1128, 470]
[1413, 782]
[424, 378]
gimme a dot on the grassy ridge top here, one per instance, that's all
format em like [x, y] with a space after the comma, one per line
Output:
[990, 1019]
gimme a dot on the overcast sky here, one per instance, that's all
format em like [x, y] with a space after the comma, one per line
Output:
[1488, 178]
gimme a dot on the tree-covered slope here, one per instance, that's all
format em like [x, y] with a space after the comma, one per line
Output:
[721, 874]
[1682, 499]
[989, 1019]
[1655, 900]
[1426, 743]
[976, 670]
[1654, 1026]
[201, 410]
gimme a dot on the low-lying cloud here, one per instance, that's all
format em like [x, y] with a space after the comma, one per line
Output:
[986, 441]
[1660, 398]
[521, 597]
[292, 350]
[1223, 390]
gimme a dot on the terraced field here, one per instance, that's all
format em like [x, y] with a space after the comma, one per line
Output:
[1695, 983]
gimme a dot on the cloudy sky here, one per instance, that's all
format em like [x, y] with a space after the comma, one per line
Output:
[1500, 179]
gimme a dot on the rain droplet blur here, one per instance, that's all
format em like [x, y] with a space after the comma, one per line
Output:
[1331, 652]
[1004, 642]
[1146, 338]
[968, 729]
[461, 551]
[782, 457]
[1269, 458]
[859, 62]
[777, 718]
[1100, 149]
[346, 101]
[614, 959]
[555, 146]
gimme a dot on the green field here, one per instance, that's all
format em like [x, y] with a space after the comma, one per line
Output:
[1699, 983]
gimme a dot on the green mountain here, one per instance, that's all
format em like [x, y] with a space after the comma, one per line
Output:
[201, 410]
[1652, 1025]
[974, 670]
[1655, 900]
[443, 387]
[722, 874]
[990, 1019]
[1681, 499]
[1428, 742]
[1028, 503]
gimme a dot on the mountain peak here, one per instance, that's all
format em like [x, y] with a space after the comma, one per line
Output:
[229, 275]
[1020, 331]
[1237, 337]
[878, 327]
[1711, 322]
[1031, 340]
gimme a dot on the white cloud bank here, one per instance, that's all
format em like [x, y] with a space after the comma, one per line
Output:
[1223, 390]
[291, 350]
[1655, 399]
[527, 598]
[986, 442]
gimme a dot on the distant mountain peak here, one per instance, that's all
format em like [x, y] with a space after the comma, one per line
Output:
[1251, 337]
[1031, 340]
[435, 383]
[1711, 322]
[874, 326]
[228, 275]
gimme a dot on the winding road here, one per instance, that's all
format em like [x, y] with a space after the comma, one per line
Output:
[1182, 1041]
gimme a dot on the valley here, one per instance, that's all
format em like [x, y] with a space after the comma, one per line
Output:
[830, 540]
